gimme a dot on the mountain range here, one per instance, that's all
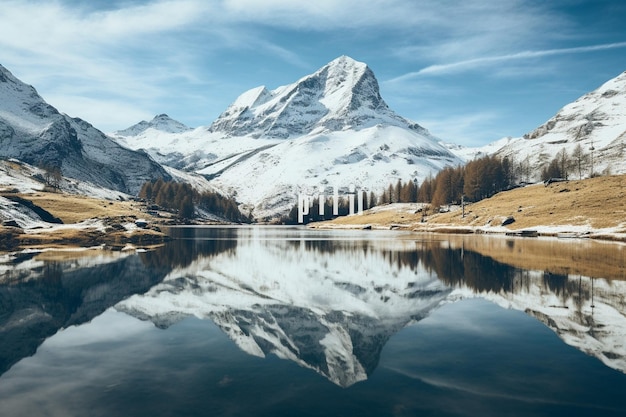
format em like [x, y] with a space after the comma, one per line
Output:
[333, 128]
[328, 129]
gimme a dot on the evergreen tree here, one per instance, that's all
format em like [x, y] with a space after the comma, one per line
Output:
[389, 194]
[408, 192]
[553, 170]
[146, 191]
[425, 193]
[186, 208]
[523, 169]
[442, 193]
[397, 191]
[57, 176]
[413, 187]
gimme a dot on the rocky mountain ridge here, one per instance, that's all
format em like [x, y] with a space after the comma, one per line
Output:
[160, 122]
[596, 122]
[35, 132]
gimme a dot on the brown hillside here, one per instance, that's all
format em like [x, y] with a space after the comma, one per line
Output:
[598, 203]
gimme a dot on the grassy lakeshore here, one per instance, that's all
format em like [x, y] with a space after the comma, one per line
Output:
[86, 222]
[595, 207]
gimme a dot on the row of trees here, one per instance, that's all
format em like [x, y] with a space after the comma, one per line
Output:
[398, 193]
[482, 178]
[182, 199]
[478, 179]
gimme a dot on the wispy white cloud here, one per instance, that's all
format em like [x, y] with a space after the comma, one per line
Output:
[470, 64]
[142, 55]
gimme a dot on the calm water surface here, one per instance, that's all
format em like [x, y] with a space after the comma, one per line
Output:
[294, 322]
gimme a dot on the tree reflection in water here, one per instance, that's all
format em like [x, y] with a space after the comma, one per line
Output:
[354, 271]
[190, 244]
[39, 297]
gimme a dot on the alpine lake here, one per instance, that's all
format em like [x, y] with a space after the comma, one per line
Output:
[290, 321]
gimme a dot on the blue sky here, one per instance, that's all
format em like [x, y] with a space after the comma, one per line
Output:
[469, 71]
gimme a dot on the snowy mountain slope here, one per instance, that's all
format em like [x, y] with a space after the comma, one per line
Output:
[192, 150]
[167, 141]
[15, 175]
[35, 132]
[330, 127]
[372, 159]
[597, 119]
[467, 153]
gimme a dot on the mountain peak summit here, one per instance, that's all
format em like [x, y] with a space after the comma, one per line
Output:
[343, 94]
[344, 61]
[161, 122]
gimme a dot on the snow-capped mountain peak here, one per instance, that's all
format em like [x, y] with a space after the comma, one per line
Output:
[22, 105]
[330, 127]
[343, 94]
[592, 110]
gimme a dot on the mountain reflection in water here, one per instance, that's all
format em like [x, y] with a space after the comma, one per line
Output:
[328, 301]
[41, 293]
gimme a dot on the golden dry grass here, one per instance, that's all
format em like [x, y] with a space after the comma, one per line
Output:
[402, 215]
[597, 202]
[89, 237]
[72, 209]
[67, 254]
[76, 208]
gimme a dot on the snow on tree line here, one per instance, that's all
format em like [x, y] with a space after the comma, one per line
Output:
[183, 199]
[578, 162]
